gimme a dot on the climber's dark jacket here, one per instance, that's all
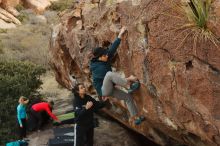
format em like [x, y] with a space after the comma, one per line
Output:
[83, 116]
[100, 68]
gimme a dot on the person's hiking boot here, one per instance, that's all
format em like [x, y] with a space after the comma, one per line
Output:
[134, 86]
[139, 120]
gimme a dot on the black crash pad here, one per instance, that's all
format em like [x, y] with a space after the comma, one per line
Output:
[69, 131]
[61, 141]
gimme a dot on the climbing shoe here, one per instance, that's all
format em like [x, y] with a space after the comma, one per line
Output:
[134, 86]
[139, 120]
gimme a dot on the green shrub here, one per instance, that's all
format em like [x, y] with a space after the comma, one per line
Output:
[16, 79]
[195, 15]
[3, 30]
[1, 50]
[198, 12]
[19, 7]
[1, 47]
[23, 16]
[61, 5]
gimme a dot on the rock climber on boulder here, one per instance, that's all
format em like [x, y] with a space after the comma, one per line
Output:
[104, 80]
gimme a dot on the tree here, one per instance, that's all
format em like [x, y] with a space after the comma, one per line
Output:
[16, 79]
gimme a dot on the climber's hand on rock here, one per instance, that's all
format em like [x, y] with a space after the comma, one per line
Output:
[122, 31]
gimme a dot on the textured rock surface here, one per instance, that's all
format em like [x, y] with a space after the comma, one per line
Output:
[179, 71]
[38, 6]
[8, 13]
[5, 25]
[7, 4]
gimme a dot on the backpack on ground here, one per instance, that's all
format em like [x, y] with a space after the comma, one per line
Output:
[17, 143]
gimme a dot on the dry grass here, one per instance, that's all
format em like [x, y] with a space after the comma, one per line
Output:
[22, 47]
[29, 42]
[1, 47]
[61, 5]
[51, 88]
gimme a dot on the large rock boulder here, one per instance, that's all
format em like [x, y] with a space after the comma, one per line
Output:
[9, 5]
[38, 6]
[5, 25]
[8, 13]
[177, 64]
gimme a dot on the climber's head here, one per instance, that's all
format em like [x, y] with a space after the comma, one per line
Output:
[79, 90]
[101, 54]
[23, 100]
[51, 103]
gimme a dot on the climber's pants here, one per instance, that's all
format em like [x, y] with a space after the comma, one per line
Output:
[108, 89]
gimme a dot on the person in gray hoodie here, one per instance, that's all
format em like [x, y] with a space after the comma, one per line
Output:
[104, 80]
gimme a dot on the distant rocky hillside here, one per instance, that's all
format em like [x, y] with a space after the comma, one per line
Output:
[171, 45]
[9, 14]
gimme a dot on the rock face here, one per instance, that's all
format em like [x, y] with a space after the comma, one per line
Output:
[8, 13]
[38, 6]
[9, 4]
[178, 68]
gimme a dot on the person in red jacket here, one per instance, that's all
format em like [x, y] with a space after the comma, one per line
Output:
[37, 109]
